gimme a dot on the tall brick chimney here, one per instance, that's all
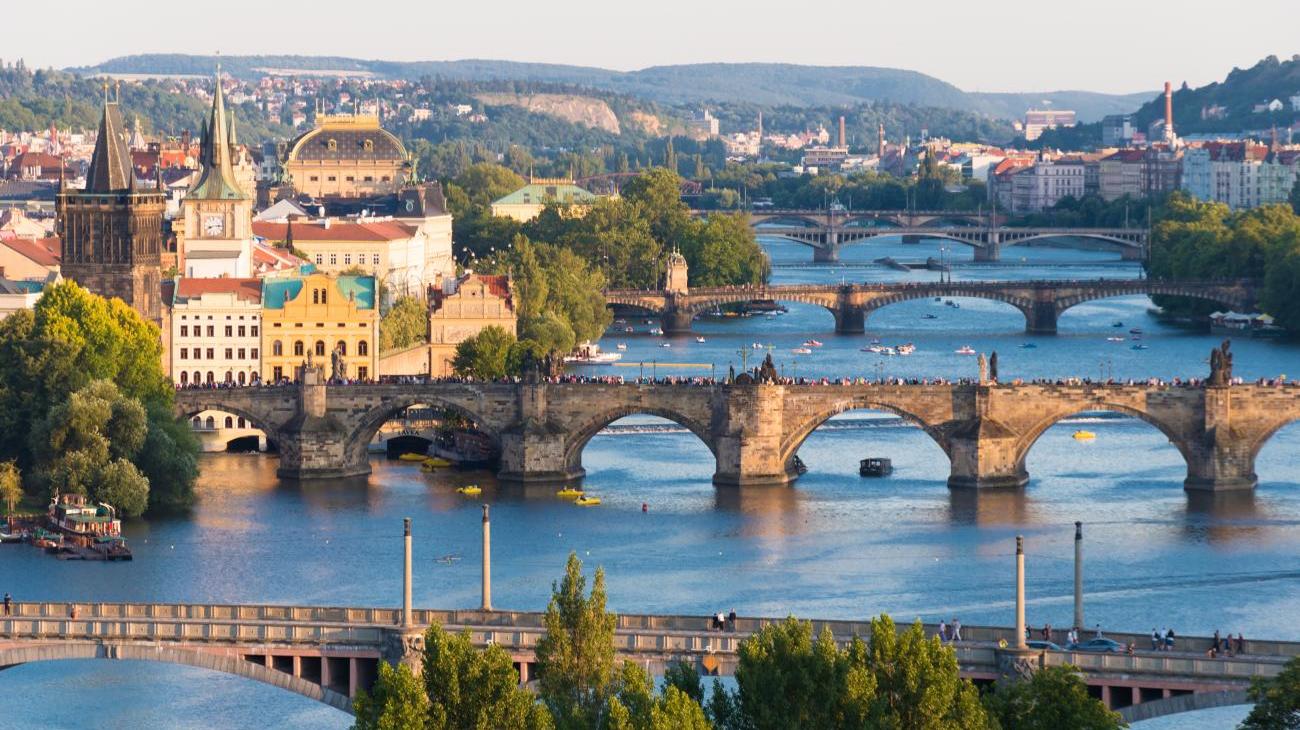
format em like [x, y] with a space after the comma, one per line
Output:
[1169, 109]
[842, 137]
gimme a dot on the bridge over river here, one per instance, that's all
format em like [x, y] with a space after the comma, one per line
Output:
[754, 429]
[825, 231]
[1042, 302]
[330, 653]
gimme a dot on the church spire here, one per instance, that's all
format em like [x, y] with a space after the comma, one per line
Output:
[110, 165]
[217, 176]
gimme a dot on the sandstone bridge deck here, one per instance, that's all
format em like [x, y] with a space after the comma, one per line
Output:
[329, 653]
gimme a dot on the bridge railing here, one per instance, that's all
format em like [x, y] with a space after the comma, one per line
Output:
[189, 630]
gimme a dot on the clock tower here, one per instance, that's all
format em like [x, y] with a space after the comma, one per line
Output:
[217, 238]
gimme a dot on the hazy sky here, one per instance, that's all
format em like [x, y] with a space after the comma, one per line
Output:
[993, 45]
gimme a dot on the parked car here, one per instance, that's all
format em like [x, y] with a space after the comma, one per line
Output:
[1043, 645]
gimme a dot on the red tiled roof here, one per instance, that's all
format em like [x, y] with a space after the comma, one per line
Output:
[337, 231]
[42, 251]
[249, 290]
[498, 284]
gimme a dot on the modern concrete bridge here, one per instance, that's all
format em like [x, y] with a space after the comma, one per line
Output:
[825, 231]
[754, 430]
[1042, 302]
[329, 653]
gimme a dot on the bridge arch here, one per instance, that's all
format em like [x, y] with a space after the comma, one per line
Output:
[1184, 703]
[368, 424]
[804, 429]
[954, 291]
[1147, 288]
[1119, 242]
[234, 665]
[192, 407]
[579, 437]
[1257, 445]
[1035, 432]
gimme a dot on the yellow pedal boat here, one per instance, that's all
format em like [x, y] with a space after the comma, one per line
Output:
[569, 492]
[469, 490]
[586, 501]
[412, 457]
[1082, 435]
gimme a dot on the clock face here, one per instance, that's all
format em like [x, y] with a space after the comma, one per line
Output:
[212, 225]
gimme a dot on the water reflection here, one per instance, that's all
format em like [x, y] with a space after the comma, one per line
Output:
[1224, 517]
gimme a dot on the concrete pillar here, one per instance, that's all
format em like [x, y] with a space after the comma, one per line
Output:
[1020, 592]
[1078, 575]
[828, 250]
[675, 322]
[406, 573]
[1041, 319]
[991, 250]
[487, 561]
[850, 320]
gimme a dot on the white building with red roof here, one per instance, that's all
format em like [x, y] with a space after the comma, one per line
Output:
[215, 330]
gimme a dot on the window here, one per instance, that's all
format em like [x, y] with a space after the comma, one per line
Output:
[241, 418]
[320, 259]
[374, 259]
[230, 421]
[343, 348]
[334, 259]
[385, 178]
[324, 296]
[230, 331]
[197, 377]
[297, 348]
[184, 354]
[230, 354]
[242, 330]
[331, 178]
[241, 382]
[185, 377]
[369, 178]
[242, 351]
[185, 331]
[212, 331]
[277, 373]
[210, 355]
[314, 178]
[363, 348]
[349, 178]
[198, 422]
[347, 259]
[211, 380]
[253, 354]
[277, 348]
[363, 372]
[253, 330]
[211, 422]
[320, 348]
[315, 296]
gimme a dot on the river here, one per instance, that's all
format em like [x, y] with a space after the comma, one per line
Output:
[834, 545]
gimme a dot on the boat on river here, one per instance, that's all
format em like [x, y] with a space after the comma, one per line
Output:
[802, 351]
[812, 343]
[585, 501]
[875, 467]
[569, 492]
[1082, 435]
[589, 353]
[700, 340]
[412, 456]
[469, 490]
[88, 531]
[965, 350]
[621, 346]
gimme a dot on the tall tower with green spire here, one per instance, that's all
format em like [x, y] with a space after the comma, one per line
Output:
[112, 229]
[216, 238]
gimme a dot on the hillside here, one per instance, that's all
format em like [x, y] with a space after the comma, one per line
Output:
[1237, 94]
[766, 84]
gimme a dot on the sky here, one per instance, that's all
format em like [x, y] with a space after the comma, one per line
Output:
[1115, 46]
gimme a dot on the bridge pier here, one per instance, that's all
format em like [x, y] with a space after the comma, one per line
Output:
[1221, 461]
[991, 251]
[985, 454]
[1041, 319]
[828, 253]
[850, 320]
[314, 444]
[748, 446]
[676, 321]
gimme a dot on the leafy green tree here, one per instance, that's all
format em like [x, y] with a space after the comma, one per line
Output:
[1053, 698]
[686, 678]
[678, 711]
[723, 251]
[11, 485]
[395, 702]
[405, 324]
[917, 684]
[123, 486]
[169, 461]
[576, 655]
[550, 331]
[485, 182]
[1294, 197]
[1277, 700]
[787, 679]
[468, 688]
[484, 355]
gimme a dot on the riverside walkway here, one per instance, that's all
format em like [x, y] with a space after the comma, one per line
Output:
[329, 653]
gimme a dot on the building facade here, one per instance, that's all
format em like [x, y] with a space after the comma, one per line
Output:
[216, 331]
[310, 318]
[112, 229]
[460, 310]
[1240, 174]
[347, 156]
[527, 202]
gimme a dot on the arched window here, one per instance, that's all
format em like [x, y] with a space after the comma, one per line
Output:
[343, 348]
[241, 422]
[363, 348]
[230, 422]
[320, 348]
[297, 348]
[324, 296]
[185, 378]
[198, 377]
[315, 296]
[211, 378]
[277, 348]
[230, 377]
[211, 423]
[198, 422]
[242, 378]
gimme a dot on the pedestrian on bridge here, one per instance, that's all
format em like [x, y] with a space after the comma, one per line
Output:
[1155, 640]
[956, 629]
[9, 603]
[943, 630]
[1169, 640]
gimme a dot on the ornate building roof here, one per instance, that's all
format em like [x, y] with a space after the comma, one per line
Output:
[217, 172]
[110, 165]
[346, 137]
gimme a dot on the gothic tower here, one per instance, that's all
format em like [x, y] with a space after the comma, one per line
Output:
[676, 275]
[112, 230]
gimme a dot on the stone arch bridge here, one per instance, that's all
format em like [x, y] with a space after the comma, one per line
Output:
[1042, 302]
[328, 654]
[825, 231]
[754, 430]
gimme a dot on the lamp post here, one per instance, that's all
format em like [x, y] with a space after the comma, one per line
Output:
[1078, 575]
[487, 560]
[1020, 593]
[406, 573]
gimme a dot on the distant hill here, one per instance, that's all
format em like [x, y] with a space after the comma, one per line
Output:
[765, 84]
[1237, 94]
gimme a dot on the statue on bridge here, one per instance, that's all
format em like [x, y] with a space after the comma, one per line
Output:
[993, 366]
[766, 373]
[338, 368]
[1221, 364]
[984, 369]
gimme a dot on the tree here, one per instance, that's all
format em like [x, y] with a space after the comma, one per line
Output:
[485, 182]
[1294, 197]
[11, 485]
[787, 679]
[686, 678]
[576, 655]
[405, 324]
[1277, 700]
[468, 688]
[395, 702]
[917, 684]
[678, 711]
[484, 356]
[1053, 698]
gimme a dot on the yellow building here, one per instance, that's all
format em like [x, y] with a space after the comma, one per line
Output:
[462, 309]
[346, 156]
[315, 316]
[527, 202]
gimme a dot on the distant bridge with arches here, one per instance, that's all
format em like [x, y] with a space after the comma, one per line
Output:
[826, 231]
[1042, 302]
[754, 430]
